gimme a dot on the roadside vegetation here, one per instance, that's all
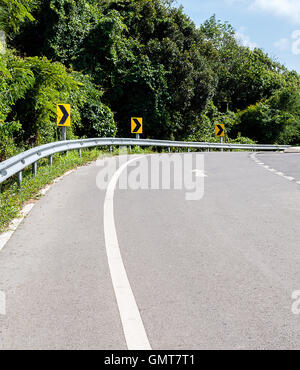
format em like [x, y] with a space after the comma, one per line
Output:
[113, 59]
[120, 58]
[12, 199]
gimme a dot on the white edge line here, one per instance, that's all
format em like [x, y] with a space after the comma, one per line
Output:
[133, 327]
[15, 223]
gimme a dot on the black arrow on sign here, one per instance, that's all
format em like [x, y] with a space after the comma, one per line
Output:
[65, 115]
[221, 130]
[138, 125]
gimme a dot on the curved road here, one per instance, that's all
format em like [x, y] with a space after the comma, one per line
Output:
[218, 273]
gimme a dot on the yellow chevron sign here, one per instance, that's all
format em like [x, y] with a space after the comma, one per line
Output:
[220, 129]
[63, 115]
[136, 125]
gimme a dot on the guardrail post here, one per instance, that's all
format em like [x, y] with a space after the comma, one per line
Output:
[50, 160]
[169, 149]
[130, 148]
[79, 152]
[34, 169]
[19, 179]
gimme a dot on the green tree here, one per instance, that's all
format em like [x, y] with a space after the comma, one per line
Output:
[30, 89]
[147, 58]
[14, 12]
[275, 120]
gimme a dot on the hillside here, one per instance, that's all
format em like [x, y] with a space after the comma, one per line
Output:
[120, 58]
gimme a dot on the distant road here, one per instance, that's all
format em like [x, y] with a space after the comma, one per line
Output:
[288, 163]
[211, 274]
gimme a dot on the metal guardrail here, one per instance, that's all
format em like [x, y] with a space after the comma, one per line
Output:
[16, 164]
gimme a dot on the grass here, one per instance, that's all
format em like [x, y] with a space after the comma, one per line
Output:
[12, 200]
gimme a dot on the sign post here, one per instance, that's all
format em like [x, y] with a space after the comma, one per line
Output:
[220, 131]
[63, 133]
[63, 119]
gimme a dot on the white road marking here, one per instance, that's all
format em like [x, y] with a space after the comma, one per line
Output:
[199, 173]
[289, 178]
[281, 174]
[4, 237]
[15, 223]
[133, 327]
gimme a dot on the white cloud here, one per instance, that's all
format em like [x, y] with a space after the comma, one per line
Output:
[284, 8]
[244, 39]
[283, 44]
[287, 8]
[293, 44]
[296, 43]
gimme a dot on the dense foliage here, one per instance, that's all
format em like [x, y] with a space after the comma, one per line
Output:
[30, 89]
[115, 59]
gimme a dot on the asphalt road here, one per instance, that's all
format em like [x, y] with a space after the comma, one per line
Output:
[288, 163]
[217, 273]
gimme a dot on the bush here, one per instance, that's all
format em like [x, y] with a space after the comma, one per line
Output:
[97, 119]
[276, 120]
[30, 89]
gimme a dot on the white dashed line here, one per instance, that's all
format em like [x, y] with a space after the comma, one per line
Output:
[289, 178]
[278, 173]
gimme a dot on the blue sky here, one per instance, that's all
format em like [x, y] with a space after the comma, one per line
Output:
[272, 25]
